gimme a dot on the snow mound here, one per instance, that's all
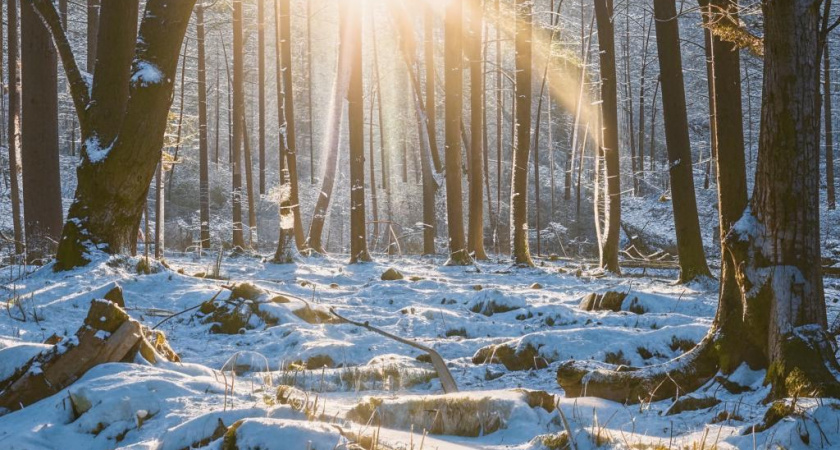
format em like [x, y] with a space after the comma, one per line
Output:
[493, 301]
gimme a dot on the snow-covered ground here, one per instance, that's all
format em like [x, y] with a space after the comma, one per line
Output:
[457, 311]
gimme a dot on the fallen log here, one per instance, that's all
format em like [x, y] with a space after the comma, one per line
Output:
[108, 335]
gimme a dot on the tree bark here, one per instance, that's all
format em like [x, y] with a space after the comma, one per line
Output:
[692, 257]
[458, 254]
[475, 236]
[609, 142]
[356, 125]
[93, 7]
[284, 253]
[203, 151]
[42, 210]
[14, 122]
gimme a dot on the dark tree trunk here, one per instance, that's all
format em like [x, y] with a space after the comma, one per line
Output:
[249, 186]
[238, 120]
[42, 210]
[291, 142]
[309, 91]
[203, 156]
[114, 176]
[92, 33]
[710, 73]
[692, 257]
[14, 122]
[356, 125]
[829, 129]
[458, 254]
[475, 237]
[609, 142]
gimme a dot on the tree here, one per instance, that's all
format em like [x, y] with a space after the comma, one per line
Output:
[772, 307]
[289, 105]
[92, 33]
[356, 118]
[203, 155]
[14, 123]
[521, 150]
[284, 253]
[42, 210]
[608, 242]
[261, 90]
[238, 120]
[453, 78]
[829, 129]
[431, 102]
[475, 236]
[122, 116]
[692, 257]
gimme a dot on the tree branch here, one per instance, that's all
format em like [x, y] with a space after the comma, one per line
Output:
[79, 85]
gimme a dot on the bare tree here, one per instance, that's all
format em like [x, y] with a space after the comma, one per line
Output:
[356, 118]
[203, 155]
[692, 257]
[521, 150]
[238, 121]
[14, 122]
[475, 236]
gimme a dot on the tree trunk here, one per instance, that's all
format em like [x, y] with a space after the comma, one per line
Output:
[829, 130]
[14, 122]
[159, 211]
[261, 90]
[330, 150]
[203, 156]
[356, 125]
[458, 254]
[772, 307]
[253, 236]
[291, 154]
[431, 103]
[42, 210]
[114, 176]
[92, 33]
[609, 142]
[238, 120]
[475, 237]
[521, 150]
[707, 34]
[284, 252]
[692, 257]
[309, 92]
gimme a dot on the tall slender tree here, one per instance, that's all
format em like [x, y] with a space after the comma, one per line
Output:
[521, 150]
[14, 122]
[238, 120]
[42, 210]
[431, 102]
[284, 252]
[829, 127]
[356, 118]
[609, 142]
[692, 257]
[203, 150]
[475, 236]
[261, 90]
[289, 105]
[453, 64]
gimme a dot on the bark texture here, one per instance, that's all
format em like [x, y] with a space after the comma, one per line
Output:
[522, 148]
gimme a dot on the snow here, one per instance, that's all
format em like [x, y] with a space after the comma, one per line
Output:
[146, 74]
[234, 377]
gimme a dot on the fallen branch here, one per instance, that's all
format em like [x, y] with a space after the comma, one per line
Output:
[446, 379]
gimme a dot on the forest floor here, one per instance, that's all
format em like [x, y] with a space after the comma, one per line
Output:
[457, 311]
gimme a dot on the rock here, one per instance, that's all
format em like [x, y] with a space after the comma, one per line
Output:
[608, 301]
[246, 291]
[536, 286]
[689, 403]
[392, 275]
[478, 287]
[525, 358]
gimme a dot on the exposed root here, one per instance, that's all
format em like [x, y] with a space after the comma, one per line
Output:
[633, 385]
